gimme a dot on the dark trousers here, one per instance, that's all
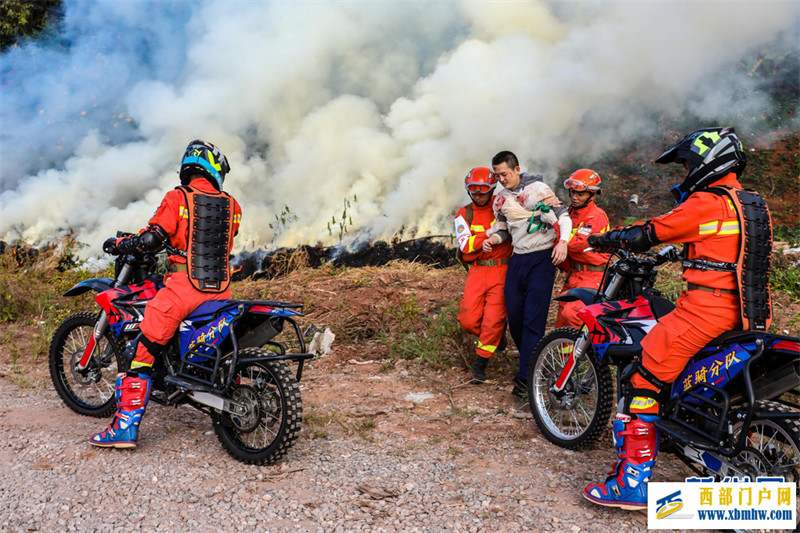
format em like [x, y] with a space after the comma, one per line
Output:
[528, 290]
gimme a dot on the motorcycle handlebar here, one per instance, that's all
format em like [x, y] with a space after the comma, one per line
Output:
[667, 255]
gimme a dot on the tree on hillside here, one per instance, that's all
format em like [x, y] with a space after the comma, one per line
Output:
[23, 18]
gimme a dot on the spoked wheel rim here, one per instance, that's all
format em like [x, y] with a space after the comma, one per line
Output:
[773, 451]
[265, 420]
[97, 383]
[569, 413]
[257, 390]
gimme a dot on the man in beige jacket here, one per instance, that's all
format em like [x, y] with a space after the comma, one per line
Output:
[540, 228]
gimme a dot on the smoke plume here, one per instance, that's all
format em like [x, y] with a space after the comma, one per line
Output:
[348, 120]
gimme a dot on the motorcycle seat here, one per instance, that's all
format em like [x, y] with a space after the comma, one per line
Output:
[209, 308]
[737, 336]
[660, 306]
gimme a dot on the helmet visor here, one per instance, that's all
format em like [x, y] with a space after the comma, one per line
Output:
[575, 185]
[479, 188]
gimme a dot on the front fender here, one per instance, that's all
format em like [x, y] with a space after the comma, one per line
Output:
[95, 284]
[587, 296]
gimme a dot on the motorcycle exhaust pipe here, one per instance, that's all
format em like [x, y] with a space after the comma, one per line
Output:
[218, 402]
[774, 383]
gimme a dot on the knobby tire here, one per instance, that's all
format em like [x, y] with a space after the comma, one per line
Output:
[582, 422]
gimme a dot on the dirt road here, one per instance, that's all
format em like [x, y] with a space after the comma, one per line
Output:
[384, 448]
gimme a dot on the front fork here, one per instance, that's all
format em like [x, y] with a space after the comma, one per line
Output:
[101, 326]
[99, 330]
[579, 349]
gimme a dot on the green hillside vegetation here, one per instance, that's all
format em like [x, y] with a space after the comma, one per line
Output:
[20, 18]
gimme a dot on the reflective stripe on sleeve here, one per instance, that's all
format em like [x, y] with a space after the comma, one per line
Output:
[708, 227]
[729, 228]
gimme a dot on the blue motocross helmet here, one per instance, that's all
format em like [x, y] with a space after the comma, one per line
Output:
[709, 155]
[204, 158]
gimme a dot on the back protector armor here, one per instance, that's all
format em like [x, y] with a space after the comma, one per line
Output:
[752, 267]
[210, 238]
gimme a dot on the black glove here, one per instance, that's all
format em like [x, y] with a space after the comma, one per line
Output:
[110, 246]
[128, 244]
[604, 241]
[595, 241]
[632, 238]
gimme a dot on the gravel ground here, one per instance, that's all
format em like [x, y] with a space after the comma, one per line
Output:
[380, 451]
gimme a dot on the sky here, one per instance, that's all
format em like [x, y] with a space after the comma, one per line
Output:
[359, 118]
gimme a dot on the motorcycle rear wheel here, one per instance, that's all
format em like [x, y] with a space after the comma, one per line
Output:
[772, 449]
[92, 391]
[577, 416]
[274, 411]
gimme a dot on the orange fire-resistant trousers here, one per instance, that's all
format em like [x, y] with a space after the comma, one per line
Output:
[483, 307]
[163, 314]
[698, 318]
[568, 311]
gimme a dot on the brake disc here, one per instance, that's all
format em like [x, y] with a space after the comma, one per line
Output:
[247, 398]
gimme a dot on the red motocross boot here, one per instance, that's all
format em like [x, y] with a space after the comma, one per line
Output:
[133, 391]
[636, 441]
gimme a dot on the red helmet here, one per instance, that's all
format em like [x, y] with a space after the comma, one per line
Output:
[480, 180]
[583, 180]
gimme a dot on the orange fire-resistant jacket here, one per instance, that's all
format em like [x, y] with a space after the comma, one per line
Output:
[583, 266]
[178, 298]
[173, 216]
[483, 307]
[709, 226]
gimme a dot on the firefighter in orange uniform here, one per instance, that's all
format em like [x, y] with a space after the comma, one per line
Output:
[728, 237]
[584, 267]
[483, 307]
[198, 220]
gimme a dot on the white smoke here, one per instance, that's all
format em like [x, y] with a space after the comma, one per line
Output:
[382, 105]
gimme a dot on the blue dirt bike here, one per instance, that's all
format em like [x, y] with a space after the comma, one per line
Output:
[224, 360]
[732, 412]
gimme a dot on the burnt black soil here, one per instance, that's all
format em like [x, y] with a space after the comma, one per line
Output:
[262, 264]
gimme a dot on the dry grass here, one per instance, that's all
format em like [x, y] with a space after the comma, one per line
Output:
[400, 309]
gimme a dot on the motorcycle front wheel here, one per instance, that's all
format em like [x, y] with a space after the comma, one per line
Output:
[90, 391]
[576, 416]
[269, 424]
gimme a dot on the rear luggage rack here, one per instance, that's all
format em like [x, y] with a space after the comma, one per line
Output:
[691, 402]
[199, 369]
[693, 405]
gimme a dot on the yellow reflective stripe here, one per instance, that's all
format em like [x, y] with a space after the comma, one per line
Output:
[477, 228]
[138, 364]
[237, 218]
[488, 347]
[575, 230]
[471, 244]
[183, 212]
[709, 227]
[642, 402]
[729, 228]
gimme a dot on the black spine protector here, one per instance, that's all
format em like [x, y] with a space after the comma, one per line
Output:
[757, 247]
[210, 232]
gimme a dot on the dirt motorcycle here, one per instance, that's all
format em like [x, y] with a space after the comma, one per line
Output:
[225, 360]
[726, 414]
